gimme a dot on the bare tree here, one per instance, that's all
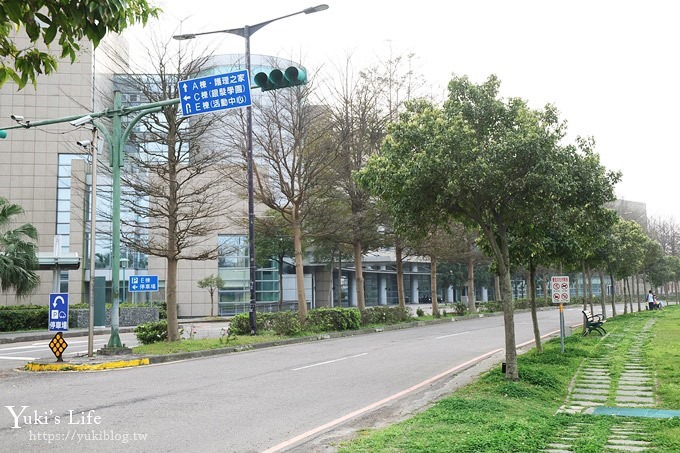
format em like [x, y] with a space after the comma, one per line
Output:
[293, 152]
[172, 192]
[364, 104]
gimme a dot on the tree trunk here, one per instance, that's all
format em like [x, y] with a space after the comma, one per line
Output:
[299, 269]
[497, 287]
[532, 301]
[400, 276]
[359, 273]
[625, 301]
[433, 286]
[171, 299]
[630, 293]
[611, 279]
[499, 244]
[590, 286]
[637, 290]
[280, 263]
[603, 292]
[511, 371]
[471, 282]
[212, 302]
[330, 286]
[339, 288]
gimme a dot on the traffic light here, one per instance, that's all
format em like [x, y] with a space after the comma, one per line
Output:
[276, 79]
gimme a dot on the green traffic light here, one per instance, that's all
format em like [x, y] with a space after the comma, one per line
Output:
[295, 76]
[277, 79]
[3, 134]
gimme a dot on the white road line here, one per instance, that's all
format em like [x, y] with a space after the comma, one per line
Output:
[452, 335]
[18, 347]
[17, 358]
[285, 444]
[329, 361]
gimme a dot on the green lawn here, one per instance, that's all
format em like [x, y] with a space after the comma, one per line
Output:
[189, 345]
[495, 415]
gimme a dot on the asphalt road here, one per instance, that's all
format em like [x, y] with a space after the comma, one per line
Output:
[289, 398]
[13, 355]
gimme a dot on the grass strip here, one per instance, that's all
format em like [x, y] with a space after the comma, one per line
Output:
[496, 415]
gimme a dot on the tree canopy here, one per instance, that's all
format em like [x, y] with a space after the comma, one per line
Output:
[18, 258]
[495, 164]
[45, 21]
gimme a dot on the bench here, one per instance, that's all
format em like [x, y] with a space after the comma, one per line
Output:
[593, 322]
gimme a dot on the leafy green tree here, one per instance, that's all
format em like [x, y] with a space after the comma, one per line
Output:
[67, 22]
[18, 252]
[627, 250]
[212, 283]
[490, 163]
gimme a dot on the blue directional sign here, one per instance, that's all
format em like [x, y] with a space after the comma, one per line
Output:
[215, 92]
[142, 283]
[58, 320]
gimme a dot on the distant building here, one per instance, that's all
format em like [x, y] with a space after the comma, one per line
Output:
[48, 174]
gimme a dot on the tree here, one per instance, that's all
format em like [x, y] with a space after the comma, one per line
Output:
[172, 190]
[491, 163]
[18, 248]
[212, 283]
[67, 22]
[363, 106]
[291, 138]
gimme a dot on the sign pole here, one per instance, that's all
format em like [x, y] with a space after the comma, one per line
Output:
[562, 327]
[560, 295]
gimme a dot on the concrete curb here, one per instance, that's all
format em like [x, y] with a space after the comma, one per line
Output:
[66, 366]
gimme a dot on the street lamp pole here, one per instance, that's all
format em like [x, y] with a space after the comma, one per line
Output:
[92, 145]
[246, 32]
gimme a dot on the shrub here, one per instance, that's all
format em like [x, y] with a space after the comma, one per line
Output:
[460, 309]
[493, 306]
[420, 313]
[23, 317]
[240, 324]
[286, 323]
[333, 319]
[384, 315]
[152, 332]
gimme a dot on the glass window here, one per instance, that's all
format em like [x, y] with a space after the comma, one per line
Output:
[64, 216]
[233, 251]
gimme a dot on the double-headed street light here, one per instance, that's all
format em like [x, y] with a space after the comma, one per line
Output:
[246, 32]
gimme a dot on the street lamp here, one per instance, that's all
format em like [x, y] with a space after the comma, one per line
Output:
[246, 32]
[91, 145]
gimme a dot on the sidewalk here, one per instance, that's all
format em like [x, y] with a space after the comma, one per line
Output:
[634, 396]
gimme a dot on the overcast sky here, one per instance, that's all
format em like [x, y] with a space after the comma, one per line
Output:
[610, 67]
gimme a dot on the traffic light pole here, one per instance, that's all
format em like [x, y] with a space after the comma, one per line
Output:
[246, 32]
[116, 140]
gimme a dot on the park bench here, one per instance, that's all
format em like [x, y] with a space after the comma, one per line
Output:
[592, 322]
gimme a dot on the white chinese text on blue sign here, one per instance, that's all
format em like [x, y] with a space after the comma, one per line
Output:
[214, 93]
[141, 283]
[58, 319]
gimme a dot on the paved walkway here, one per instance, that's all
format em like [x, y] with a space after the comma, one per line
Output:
[596, 390]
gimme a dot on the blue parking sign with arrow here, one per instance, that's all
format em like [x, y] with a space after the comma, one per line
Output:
[58, 312]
